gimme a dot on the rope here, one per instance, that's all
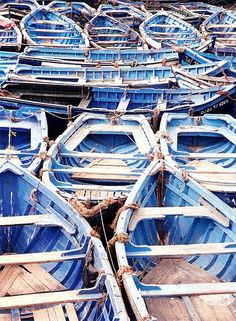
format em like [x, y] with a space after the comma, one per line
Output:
[163, 134]
[120, 237]
[133, 206]
[124, 269]
[88, 213]
[184, 175]
[226, 94]
[114, 117]
[95, 233]
[60, 117]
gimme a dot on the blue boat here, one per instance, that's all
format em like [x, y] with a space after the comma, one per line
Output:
[98, 159]
[124, 13]
[93, 57]
[221, 26]
[205, 148]
[203, 10]
[16, 10]
[23, 137]
[181, 11]
[49, 28]
[176, 248]
[10, 35]
[165, 30]
[106, 32]
[50, 264]
[106, 76]
[80, 12]
[146, 101]
[149, 101]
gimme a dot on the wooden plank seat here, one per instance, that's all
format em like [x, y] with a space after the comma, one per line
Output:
[221, 26]
[154, 25]
[175, 273]
[52, 37]
[29, 300]
[117, 41]
[188, 211]
[108, 169]
[164, 290]
[91, 187]
[84, 103]
[205, 155]
[102, 155]
[41, 257]
[176, 251]
[41, 220]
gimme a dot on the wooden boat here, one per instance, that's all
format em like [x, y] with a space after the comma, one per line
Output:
[165, 30]
[80, 12]
[16, 10]
[146, 101]
[97, 58]
[176, 249]
[188, 80]
[49, 28]
[51, 267]
[23, 133]
[106, 32]
[10, 35]
[65, 75]
[204, 147]
[98, 159]
[182, 12]
[203, 10]
[221, 27]
[126, 14]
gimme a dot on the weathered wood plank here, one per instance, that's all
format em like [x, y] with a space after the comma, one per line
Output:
[45, 219]
[166, 251]
[7, 277]
[29, 300]
[40, 257]
[70, 309]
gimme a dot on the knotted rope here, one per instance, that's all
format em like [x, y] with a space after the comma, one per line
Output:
[133, 206]
[88, 213]
[120, 237]
[125, 269]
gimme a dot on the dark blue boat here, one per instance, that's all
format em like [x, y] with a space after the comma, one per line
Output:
[50, 264]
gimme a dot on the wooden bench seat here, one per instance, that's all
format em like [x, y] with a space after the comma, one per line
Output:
[144, 213]
[176, 251]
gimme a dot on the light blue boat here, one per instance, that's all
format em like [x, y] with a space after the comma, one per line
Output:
[221, 26]
[107, 32]
[23, 135]
[49, 28]
[127, 14]
[165, 30]
[106, 76]
[176, 248]
[98, 159]
[204, 147]
[10, 35]
[80, 12]
[46, 246]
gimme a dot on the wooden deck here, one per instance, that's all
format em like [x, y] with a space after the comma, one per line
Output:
[187, 308]
[17, 281]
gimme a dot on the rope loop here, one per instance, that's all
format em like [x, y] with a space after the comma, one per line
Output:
[121, 237]
[133, 206]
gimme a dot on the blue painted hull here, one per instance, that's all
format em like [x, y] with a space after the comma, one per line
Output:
[167, 227]
[66, 242]
[49, 28]
[204, 147]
